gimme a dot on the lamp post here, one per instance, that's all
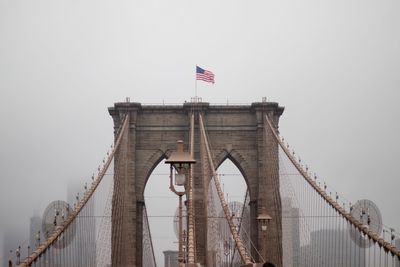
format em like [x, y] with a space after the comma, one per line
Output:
[227, 250]
[263, 220]
[180, 168]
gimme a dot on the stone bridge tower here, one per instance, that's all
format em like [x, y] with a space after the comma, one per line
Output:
[236, 132]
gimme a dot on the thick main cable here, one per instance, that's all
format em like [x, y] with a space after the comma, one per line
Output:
[191, 231]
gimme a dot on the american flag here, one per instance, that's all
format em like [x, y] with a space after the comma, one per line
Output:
[204, 75]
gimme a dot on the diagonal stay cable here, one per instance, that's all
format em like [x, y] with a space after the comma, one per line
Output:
[238, 241]
[191, 251]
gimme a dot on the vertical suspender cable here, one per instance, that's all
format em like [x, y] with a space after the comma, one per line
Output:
[357, 225]
[45, 248]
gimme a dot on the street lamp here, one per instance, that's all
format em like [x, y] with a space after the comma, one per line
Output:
[227, 251]
[180, 165]
[263, 220]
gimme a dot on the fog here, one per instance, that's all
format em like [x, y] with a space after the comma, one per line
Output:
[334, 65]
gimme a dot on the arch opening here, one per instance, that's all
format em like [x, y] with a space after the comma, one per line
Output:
[161, 205]
[234, 158]
[232, 180]
[221, 245]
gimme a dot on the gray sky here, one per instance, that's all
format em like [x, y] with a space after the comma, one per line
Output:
[334, 65]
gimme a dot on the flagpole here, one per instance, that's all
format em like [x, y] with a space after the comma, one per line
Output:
[195, 85]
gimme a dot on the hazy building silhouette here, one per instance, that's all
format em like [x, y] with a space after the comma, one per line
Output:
[291, 234]
[330, 246]
[35, 226]
[11, 240]
[170, 258]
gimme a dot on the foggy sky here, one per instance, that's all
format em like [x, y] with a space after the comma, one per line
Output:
[334, 65]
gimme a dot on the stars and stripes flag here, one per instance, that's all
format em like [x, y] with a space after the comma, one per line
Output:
[204, 75]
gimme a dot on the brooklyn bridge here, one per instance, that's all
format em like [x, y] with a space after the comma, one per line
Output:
[287, 217]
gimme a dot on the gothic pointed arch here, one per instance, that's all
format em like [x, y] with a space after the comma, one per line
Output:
[150, 164]
[238, 160]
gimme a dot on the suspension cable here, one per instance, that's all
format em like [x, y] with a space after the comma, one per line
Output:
[357, 224]
[74, 214]
[238, 241]
[191, 230]
[148, 232]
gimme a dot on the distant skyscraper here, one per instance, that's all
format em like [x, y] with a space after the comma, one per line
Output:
[170, 258]
[332, 246]
[11, 240]
[291, 234]
[34, 227]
